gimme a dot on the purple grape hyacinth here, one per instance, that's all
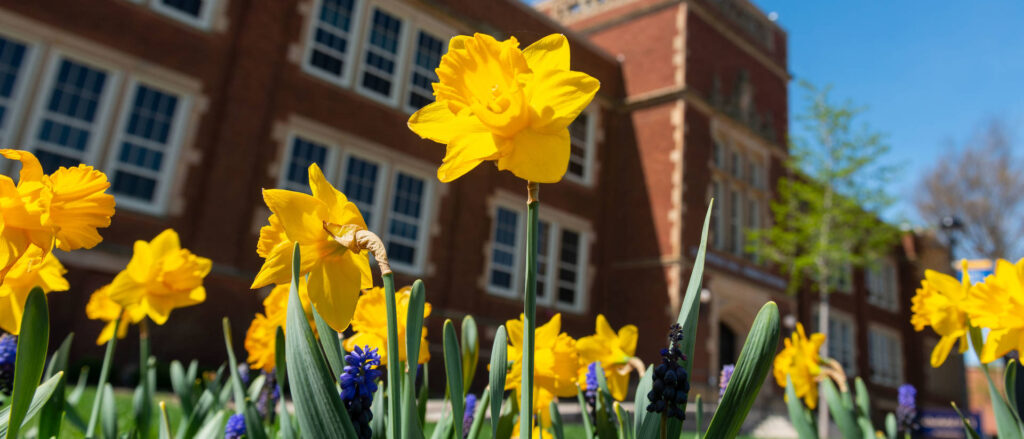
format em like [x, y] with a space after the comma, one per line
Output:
[235, 428]
[358, 384]
[723, 379]
[906, 413]
[671, 386]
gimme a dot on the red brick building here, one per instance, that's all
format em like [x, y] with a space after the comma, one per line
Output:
[192, 106]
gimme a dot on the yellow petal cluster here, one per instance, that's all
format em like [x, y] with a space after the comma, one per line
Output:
[101, 307]
[998, 304]
[336, 275]
[613, 350]
[33, 268]
[555, 364]
[371, 326]
[939, 304]
[62, 209]
[801, 361]
[497, 102]
[160, 277]
[261, 338]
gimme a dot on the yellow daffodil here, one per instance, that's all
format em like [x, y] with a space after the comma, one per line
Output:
[497, 102]
[998, 304]
[160, 277]
[371, 326]
[613, 350]
[801, 361]
[939, 303]
[34, 268]
[62, 209]
[555, 364]
[537, 434]
[336, 275]
[261, 338]
[100, 307]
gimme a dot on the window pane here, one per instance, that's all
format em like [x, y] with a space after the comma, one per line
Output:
[381, 53]
[304, 152]
[12, 57]
[361, 185]
[406, 212]
[331, 36]
[144, 142]
[428, 57]
[69, 115]
[569, 267]
[578, 136]
[503, 255]
[543, 230]
[190, 7]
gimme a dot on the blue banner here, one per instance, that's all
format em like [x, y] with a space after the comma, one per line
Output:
[945, 424]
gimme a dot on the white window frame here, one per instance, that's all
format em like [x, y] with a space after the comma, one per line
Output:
[413, 47]
[330, 160]
[202, 21]
[354, 45]
[883, 296]
[381, 189]
[100, 126]
[401, 55]
[516, 286]
[557, 222]
[16, 103]
[416, 268]
[593, 114]
[885, 358]
[175, 139]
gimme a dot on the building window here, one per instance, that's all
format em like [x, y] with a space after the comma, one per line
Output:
[69, 121]
[561, 261]
[841, 278]
[885, 355]
[717, 154]
[736, 238]
[717, 230]
[303, 152]
[736, 165]
[392, 198]
[194, 12]
[427, 58]
[581, 149]
[13, 63]
[753, 223]
[504, 253]
[842, 339]
[330, 52]
[883, 289]
[146, 145]
[754, 174]
[381, 56]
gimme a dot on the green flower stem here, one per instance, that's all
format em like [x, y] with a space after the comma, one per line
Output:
[108, 357]
[146, 407]
[394, 369]
[529, 312]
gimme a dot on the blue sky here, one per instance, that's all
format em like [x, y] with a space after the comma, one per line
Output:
[929, 73]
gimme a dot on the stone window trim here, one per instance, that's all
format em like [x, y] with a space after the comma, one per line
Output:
[557, 222]
[413, 21]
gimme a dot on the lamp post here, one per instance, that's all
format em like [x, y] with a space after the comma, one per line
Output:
[951, 225]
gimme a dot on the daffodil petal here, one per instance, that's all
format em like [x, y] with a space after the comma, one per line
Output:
[538, 156]
[79, 206]
[628, 336]
[559, 96]
[302, 216]
[942, 349]
[31, 170]
[548, 53]
[466, 151]
[436, 122]
[334, 291]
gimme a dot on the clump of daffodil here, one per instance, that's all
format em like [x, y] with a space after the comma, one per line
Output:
[371, 326]
[497, 102]
[261, 338]
[801, 361]
[939, 303]
[556, 360]
[613, 350]
[101, 307]
[160, 277]
[62, 209]
[33, 268]
[336, 274]
[998, 304]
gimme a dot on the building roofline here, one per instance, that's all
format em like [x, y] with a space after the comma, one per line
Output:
[578, 37]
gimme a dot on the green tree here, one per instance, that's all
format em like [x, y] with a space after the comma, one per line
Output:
[827, 213]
